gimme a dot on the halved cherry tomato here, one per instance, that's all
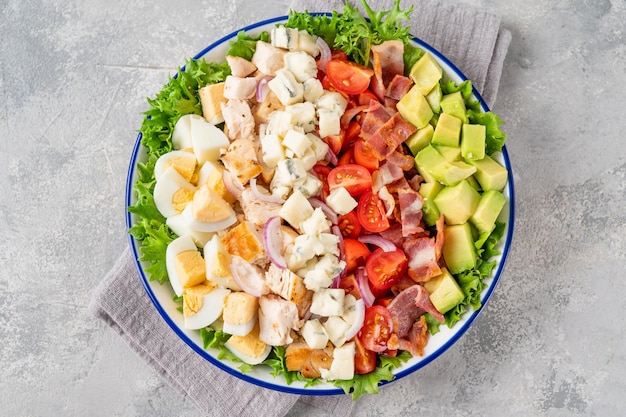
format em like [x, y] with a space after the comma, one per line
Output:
[377, 328]
[352, 134]
[354, 178]
[365, 97]
[347, 158]
[385, 268]
[321, 171]
[335, 142]
[349, 284]
[349, 225]
[380, 293]
[348, 77]
[338, 54]
[356, 253]
[372, 213]
[364, 359]
[364, 156]
[384, 301]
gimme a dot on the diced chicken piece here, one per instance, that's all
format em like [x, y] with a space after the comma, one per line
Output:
[240, 160]
[277, 317]
[267, 58]
[211, 100]
[286, 284]
[246, 241]
[238, 118]
[261, 111]
[257, 211]
[239, 88]
[240, 67]
[300, 357]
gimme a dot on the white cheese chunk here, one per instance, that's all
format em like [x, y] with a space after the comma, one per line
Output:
[313, 90]
[296, 209]
[316, 224]
[279, 123]
[286, 87]
[318, 146]
[341, 201]
[303, 115]
[330, 242]
[316, 279]
[333, 101]
[301, 65]
[284, 37]
[328, 302]
[336, 329]
[273, 151]
[292, 170]
[329, 122]
[350, 309]
[330, 264]
[311, 185]
[306, 247]
[314, 334]
[342, 366]
[296, 142]
[308, 43]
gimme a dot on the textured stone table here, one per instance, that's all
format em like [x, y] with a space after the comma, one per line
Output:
[73, 81]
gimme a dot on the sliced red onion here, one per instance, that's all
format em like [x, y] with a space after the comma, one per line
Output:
[233, 186]
[379, 241]
[268, 198]
[262, 88]
[330, 214]
[325, 53]
[248, 277]
[358, 320]
[331, 158]
[364, 286]
[272, 241]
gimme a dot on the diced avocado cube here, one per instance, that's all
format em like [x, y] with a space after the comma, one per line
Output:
[430, 212]
[489, 173]
[426, 73]
[487, 211]
[447, 131]
[414, 108]
[434, 98]
[473, 141]
[454, 105]
[450, 153]
[457, 203]
[444, 291]
[420, 139]
[452, 172]
[426, 160]
[458, 248]
[472, 181]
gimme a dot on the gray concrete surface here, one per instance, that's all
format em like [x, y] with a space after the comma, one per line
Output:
[73, 80]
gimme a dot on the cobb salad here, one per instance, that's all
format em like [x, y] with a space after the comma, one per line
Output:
[322, 200]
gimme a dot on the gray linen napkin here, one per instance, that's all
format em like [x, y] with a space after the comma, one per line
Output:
[474, 42]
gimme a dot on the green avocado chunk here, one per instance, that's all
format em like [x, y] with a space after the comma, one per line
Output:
[458, 250]
[434, 99]
[432, 166]
[450, 153]
[420, 139]
[447, 131]
[473, 141]
[414, 108]
[454, 105]
[487, 211]
[426, 73]
[428, 191]
[489, 173]
[457, 203]
[445, 293]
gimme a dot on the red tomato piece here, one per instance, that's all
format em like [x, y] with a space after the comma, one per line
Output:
[372, 213]
[349, 225]
[377, 328]
[348, 77]
[356, 253]
[384, 301]
[364, 359]
[321, 171]
[352, 135]
[338, 54]
[347, 158]
[365, 97]
[334, 142]
[354, 178]
[364, 156]
[385, 268]
[349, 284]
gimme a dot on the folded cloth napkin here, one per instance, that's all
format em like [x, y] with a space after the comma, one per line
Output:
[472, 40]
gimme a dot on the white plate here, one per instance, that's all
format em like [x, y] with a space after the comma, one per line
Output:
[161, 295]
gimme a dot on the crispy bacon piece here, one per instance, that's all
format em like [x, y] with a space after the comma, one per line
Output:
[405, 162]
[387, 173]
[376, 116]
[377, 84]
[417, 338]
[398, 87]
[390, 56]
[389, 136]
[411, 204]
[423, 260]
[408, 305]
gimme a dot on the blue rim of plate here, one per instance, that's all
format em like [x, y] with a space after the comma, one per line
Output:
[337, 391]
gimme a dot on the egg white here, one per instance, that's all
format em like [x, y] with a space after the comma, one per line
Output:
[240, 329]
[211, 310]
[178, 225]
[161, 164]
[170, 182]
[206, 140]
[178, 245]
[201, 226]
[251, 360]
[211, 249]
[181, 136]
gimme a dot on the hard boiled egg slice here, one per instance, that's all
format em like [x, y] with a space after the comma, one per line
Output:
[211, 174]
[181, 136]
[207, 140]
[184, 162]
[176, 247]
[249, 348]
[172, 193]
[217, 261]
[202, 305]
[240, 313]
[208, 212]
[178, 225]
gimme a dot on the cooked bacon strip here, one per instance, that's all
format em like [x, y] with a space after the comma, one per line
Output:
[390, 56]
[385, 174]
[439, 237]
[411, 204]
[405, 162]
[417, 338]
[408, 305]
[394, 235]
[376, 116]
[349, 114]
[389, 136]
[377, 84]
[416, 182]
[398, 87]
[422, 255]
